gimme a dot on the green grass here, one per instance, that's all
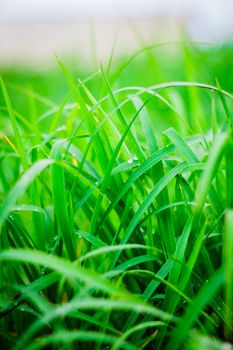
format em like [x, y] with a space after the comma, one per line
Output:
[116, 196]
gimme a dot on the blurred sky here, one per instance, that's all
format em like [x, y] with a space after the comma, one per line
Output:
[55, 24]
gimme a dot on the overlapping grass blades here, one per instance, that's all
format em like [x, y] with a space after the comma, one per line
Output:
[114, 231]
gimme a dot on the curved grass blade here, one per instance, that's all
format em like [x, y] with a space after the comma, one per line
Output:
[105, 305]
[59, 200]
[147, 202]
[14, 125]
[227, 265]
[193, 311]
[110, 167]
[21, 186]
[70, 337]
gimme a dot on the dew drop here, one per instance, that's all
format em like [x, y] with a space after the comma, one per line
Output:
[43, 270]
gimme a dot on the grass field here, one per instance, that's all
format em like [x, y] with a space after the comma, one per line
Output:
[116, 192]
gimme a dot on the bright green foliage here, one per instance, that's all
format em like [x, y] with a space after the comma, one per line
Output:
[116, 224]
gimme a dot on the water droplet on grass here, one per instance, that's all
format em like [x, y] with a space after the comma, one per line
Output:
[43, 270]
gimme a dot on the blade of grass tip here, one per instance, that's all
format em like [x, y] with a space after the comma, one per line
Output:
[58, 114]
[99, 145]
[209, 172]
[225, 106]
[109, 63]
[134, 144]
[110, 60]
[95, 241]
[193, 311]
[110, 165]
[181, 146]
[7, 140]
[59, 199]
[65, 71]
[18, 138]
[21, 186]
[60, 109]
[103, 117]
[100, 149]
[165, 221]
[105, 130]
[227, 264]
[195, 111]
[147, 126]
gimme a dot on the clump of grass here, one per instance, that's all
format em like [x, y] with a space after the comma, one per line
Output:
[116, 229]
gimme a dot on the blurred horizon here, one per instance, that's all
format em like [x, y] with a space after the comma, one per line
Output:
[30, 31]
